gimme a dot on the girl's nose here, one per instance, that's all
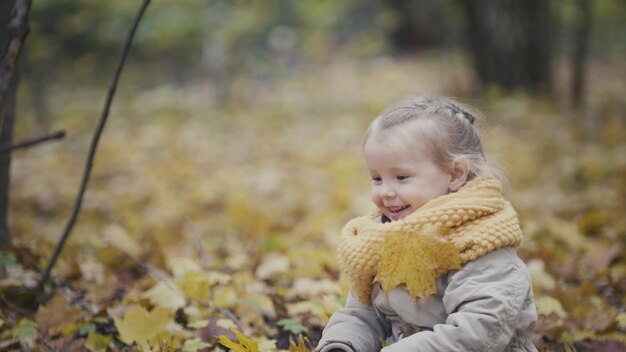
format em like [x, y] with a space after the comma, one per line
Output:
[387, 192]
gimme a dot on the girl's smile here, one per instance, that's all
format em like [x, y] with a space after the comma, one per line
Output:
[402, 180]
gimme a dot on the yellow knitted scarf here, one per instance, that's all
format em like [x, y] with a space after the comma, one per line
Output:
[475, 220]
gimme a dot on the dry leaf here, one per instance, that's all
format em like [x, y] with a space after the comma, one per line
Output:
[272, 265]
[306, 287]
[97, 342]
[166, 295]
[56, 315]
[541, 279]
[116, 236]
[547, 305]
[415, 260]
[139, 325]
[243, 343]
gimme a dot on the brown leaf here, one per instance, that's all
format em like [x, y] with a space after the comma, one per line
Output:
[56, 314]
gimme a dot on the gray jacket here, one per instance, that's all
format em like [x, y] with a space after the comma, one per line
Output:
[485, 306]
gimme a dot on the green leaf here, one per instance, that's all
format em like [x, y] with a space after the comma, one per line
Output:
[86, 328]
[292, 325]
[194, 345]
[7, 259]
[25, 328]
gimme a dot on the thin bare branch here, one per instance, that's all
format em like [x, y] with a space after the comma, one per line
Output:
[31, 142]
[94, 145]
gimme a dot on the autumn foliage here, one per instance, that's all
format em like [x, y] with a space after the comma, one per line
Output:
[208, 226]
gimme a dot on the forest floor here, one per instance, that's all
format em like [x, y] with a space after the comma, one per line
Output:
[202, 217]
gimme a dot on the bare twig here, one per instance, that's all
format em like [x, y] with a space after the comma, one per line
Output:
[94, 144]
[44, 342]
[18, 30]
[31, 142]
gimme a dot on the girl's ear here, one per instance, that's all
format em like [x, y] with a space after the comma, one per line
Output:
[458, 175]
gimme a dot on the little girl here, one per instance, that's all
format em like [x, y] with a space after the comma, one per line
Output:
[433, 268]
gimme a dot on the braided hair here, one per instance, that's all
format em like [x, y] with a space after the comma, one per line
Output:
[444, 124]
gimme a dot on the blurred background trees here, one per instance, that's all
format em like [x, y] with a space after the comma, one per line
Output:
[537, 46]
[512, 44]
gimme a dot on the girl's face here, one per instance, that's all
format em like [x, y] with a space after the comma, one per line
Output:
[403, 179]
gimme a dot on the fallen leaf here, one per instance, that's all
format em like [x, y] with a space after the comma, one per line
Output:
[91, 270]
[194, 345]
[307, 287]
[243, 343]
[621, 320]
[56, 315]
[116, 236]
[541, 279]
[97, 342]
[166, 295]
[272, 265]
[182, 266]
[547, 305]
[303, 345]
[139, 325]
[292, 325]
[599, 256]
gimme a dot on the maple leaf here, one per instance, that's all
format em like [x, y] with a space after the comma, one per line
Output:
[166, 295]
[547, 305]
[140, 325]
[244, 344]
[415, 260]
[301, 346]
[292, 325]
[56, 315]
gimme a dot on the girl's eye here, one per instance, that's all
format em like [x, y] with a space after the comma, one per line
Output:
[376, 179]
[401, 177]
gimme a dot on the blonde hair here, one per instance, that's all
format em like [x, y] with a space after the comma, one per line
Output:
[446, 127]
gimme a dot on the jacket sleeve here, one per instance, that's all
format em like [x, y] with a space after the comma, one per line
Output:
[355, 327]
[484, 302]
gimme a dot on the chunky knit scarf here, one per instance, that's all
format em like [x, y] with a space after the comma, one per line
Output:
[476, 220]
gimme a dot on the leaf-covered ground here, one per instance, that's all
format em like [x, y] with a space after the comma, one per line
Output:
[204, 219]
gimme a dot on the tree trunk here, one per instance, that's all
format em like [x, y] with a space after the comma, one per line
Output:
[16, 32]
[6, 137]
[582, 28]
[510, 42]
[419, 24]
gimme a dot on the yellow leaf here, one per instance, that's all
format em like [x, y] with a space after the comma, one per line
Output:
[116, 236]
[182, 266]
[198, 324]
[97, 343]
[542, 280]
[621, 320]
[194, 345]
[273, 264]
[165, 295]
[226, 324]
[301, 346]
[140, 325]
[225, 297]
[266, 345]
[547, 305]
[198, 285]
[415, 260]
[244, 344]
